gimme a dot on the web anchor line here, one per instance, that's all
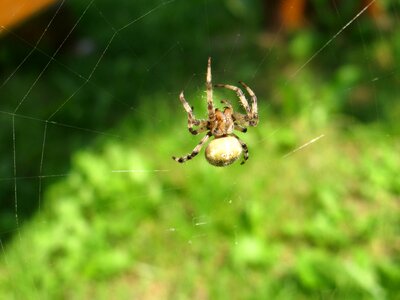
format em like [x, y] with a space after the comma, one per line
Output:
[331, 39]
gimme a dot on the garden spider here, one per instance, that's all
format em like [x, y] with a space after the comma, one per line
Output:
[227, 146]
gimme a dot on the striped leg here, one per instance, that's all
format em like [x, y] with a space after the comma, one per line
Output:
[245, 149]
[195, 151]
[239, 124]
[192, 121]
[227, 103]
[210, 104]
[241, 119]
[240, 128]
[254, 109]
[203, 127]
[240, 94]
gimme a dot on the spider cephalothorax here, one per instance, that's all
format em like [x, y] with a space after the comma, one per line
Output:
[227, 146]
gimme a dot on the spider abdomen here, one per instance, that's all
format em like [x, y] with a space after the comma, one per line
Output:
[223, 151]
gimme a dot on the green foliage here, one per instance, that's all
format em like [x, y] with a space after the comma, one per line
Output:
[320, 221]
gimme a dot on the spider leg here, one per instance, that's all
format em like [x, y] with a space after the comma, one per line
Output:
[227, 103]
[254, 109]
[240, 128]
[210, 104]
[241, 119]
[203, 127]
[195, 151]
[240, 94]
[192, 121]
[245, 149]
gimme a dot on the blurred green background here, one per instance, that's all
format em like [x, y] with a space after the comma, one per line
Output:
[318, 223]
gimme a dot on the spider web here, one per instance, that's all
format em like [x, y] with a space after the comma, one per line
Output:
[38, 119]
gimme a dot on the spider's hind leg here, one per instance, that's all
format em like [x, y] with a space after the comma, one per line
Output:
[195, 151]
[245, 149]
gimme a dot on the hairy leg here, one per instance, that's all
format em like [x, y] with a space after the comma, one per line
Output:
[254, 108]
[240, 94]
[192, 121]
[227, 103]
[245, 149]
[195, 151]
[240, 128]
[210, 103]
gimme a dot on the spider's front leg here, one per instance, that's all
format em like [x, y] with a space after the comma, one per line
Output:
[240, 95]
[254, 108]
[251, 117]
[210, 103]
[192, 121]
[195, 151]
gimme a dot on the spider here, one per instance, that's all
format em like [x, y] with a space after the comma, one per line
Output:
[226, 147]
